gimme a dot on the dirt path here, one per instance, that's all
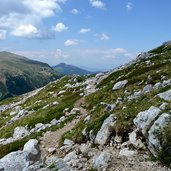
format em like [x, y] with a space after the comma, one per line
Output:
[51, 139]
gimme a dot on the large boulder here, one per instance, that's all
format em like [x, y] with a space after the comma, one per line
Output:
[32, 148]
[154, 133]
[20, 132]
[21, 159]
[120, 84]
[14, 161]
[105, 131]
[144, 119]
[165, 95]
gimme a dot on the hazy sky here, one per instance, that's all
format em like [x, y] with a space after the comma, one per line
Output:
[99, 34]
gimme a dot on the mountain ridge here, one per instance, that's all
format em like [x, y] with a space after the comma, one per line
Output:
[67, 69]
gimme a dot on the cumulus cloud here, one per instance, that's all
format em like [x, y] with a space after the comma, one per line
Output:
[27, 31]
[129, 6]
[97, 4]
[71, 42]
[84, 30]
[60, 54]
[3, 34]
[104, 36]
[60, 27]
[74, 11]
[15, 13]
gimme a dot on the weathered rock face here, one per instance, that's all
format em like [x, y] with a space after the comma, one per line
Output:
[165, 95]
[120, 84]
[151, 125]
[20, 159]
[154, 143]
[105, 131]
[144, 119]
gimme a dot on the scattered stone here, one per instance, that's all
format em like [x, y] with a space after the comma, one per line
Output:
[51, 150]
[120, 84]
[20, 132]
[68, 142]
[101, 161]
[128, 153]
[165, 95]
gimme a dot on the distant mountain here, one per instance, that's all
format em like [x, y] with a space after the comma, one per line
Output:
[70, 70]
[19, 74]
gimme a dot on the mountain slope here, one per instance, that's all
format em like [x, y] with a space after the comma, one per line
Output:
[105, 119]
[70, 70]
[19, 74]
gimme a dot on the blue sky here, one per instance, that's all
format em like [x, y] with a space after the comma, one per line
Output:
[99, 34]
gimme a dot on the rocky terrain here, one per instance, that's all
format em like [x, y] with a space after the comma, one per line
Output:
[118, 120]
[20, 75]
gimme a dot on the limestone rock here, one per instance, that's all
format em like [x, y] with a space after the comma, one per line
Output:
[20, 132]
[120, 84]
[154, 143]
[165, 95]
[105, 131]
[31, 147]
[101, 161]
[144, 119]
[127, 153]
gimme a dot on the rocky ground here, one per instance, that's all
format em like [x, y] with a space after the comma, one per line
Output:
[114, 121]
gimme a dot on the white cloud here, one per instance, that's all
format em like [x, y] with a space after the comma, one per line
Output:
[97, 4]
[43, 8]
[60, 54]
[71, 42]
[104, 36]
[129, 6]
[3, 34]
[85, 30]
[26, 31]
[60, 27]
[74, 11]
[15, 13]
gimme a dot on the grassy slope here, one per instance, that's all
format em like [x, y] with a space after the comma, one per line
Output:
[40, 114]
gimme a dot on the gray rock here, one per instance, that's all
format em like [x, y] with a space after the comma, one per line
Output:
[54, 122]
[147, 88]
[68, 142]
[144, 119]
[127, 153]
[51, 150]
[20, 132]
[31, 147]
[157, 85]
[135, 141]
[14, 161]
[17, 161]
[87, 119]
[165, 95]
[70, 156]
[101, 161]
[120, 84]
[154, 143]
[105, 131]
